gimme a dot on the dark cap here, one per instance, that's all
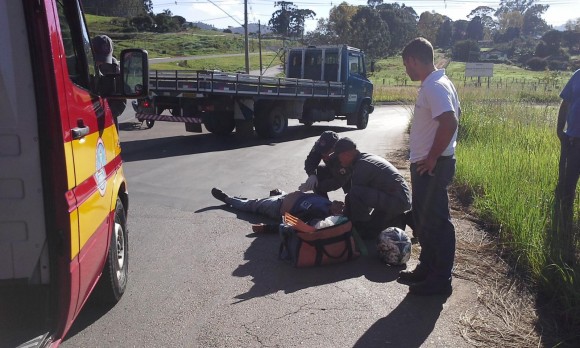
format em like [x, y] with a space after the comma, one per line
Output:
[103, 48]
[343, 145]
[326, 141]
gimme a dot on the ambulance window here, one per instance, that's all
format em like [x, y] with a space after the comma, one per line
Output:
[77, 46]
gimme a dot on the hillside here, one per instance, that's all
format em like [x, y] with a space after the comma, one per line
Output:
[194, 41]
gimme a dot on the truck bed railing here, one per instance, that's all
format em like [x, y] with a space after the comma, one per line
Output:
[201, 81]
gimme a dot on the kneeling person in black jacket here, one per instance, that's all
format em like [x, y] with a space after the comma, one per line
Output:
[379, 196]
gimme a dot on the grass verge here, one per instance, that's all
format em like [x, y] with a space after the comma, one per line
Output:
[507, 162]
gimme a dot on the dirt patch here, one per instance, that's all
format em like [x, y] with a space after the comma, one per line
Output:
[504, 313]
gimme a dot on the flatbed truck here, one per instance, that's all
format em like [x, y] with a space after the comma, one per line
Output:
[321, 84]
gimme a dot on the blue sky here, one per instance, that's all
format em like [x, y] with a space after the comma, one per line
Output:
[224, 13]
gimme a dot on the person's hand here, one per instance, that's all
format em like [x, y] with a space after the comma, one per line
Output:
[426, 166]
[309, 184]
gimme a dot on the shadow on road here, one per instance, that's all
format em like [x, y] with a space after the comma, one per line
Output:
[270, 275]
[408, 325]
[146, 149]
[90, 313]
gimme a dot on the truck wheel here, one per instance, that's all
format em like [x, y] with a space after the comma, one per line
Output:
[363, 117]
[149, 123]
[220, 124]
[113, 281]
[272, 124]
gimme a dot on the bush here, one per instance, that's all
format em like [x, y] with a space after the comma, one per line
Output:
[574, 64]
[537, 64]
[557, 65]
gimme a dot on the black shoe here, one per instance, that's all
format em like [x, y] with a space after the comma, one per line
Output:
[431, 287]
[219, 194]
[275, 192]
[415, 276]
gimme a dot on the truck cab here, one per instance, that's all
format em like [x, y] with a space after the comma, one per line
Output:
[343, 64]
[63, 192]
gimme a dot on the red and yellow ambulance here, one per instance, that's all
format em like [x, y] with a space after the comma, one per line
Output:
[63, 192]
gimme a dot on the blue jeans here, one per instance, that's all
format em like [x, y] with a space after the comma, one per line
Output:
[269, 207]
[432, 219]
[569, 171]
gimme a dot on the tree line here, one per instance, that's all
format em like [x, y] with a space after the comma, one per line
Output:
[515, 28]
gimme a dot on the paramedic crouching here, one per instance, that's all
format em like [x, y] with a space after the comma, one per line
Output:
[379, 196]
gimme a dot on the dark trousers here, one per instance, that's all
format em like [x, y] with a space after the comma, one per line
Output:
[432, 219]
[564, 240]
[327, 182]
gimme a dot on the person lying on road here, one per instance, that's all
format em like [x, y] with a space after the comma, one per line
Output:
[305, 206]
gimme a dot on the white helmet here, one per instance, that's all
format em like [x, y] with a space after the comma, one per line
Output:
[394, 246]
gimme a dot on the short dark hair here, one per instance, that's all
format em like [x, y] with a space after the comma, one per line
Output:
[420, 49]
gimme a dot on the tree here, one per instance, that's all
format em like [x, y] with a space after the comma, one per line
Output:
[339, 22]
[429, 24]
[321, 35]
[370, 33]
[489, 24]
[571, 40]
[117, 8]
[509, 35]
[573, 24]
[143, 23]
[466, 51]
[523, 14]
[459, 30]
[512, 19]
[444, 34]
[280, 21]
[533, 24]
[164, 22]
[521, 6]
[401, 22]
[475, 29]
[297, 19]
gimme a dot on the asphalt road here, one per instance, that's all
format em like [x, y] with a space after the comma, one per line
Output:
[199, 277]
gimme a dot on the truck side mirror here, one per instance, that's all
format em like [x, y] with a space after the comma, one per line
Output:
[134, 73]
[372, 66]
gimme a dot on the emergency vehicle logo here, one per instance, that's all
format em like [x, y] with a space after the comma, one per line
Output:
[101, 161]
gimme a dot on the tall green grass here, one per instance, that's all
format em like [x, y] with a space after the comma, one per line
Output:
[508, 156]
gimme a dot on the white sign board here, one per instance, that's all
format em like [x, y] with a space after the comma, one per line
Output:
[479, 69]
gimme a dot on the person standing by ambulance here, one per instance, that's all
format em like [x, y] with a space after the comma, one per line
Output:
[432, 143]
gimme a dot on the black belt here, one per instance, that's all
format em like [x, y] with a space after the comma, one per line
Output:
[443, 158]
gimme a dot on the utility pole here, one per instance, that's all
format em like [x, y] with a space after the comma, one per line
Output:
[260, 44]
[246, 45]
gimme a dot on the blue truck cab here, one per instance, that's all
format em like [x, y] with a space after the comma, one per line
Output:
[342, 64]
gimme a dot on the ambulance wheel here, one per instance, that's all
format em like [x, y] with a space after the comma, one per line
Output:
[363, 117]
[149, 123]
[113, 281]
[271, 124]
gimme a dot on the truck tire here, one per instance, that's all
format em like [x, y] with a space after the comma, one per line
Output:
[362, 119]
[113, 281]
[219, 124]
[271, 124]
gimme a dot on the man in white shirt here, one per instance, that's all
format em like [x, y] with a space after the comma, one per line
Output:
[432, 155]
